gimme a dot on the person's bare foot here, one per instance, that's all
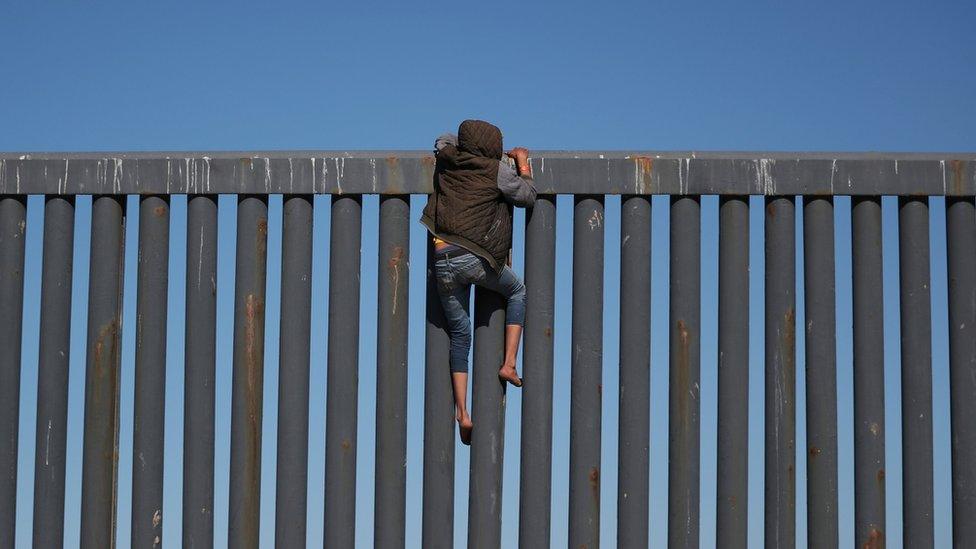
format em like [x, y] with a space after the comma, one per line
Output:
[509, 374]
[465, 426]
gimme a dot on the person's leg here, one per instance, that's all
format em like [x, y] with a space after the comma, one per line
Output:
[509, 285]
[454, 296]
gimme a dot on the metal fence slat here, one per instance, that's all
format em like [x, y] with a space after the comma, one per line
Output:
[291, 497]
[150, 372]
[586, 393]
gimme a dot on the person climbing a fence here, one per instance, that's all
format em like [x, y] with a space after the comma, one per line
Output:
[469, 216]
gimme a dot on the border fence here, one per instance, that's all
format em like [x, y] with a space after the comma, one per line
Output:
[782, 178]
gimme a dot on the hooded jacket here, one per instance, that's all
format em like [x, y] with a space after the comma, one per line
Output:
[467, 207]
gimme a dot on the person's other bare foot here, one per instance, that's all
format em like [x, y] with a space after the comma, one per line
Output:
[509, 374]
[465, 426]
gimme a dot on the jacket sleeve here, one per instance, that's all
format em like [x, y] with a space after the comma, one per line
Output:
[444, 140]
[517, 189]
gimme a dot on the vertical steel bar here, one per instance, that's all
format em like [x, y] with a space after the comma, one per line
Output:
[488, 409]
[199, 371]
[101, 450]
[291, 502]
[393, 287]
[916, 371]
[732, 490]
[780, 344]
[635, 371]
[586, 393]
[52, 371]
[868, 344]
[343, 372]
[438, 515]
[535, 492]
[961, 252]
[821, 371]
[684, 371]
[13, 220]
[248, 374]
[150, 378]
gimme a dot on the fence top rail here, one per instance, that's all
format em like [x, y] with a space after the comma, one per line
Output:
[555, 172]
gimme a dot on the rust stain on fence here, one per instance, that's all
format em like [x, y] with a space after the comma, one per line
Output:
[254, 312]
[683, 381]
[393, 267]
[645, 169]
[108, 332]
[875, 540]
[595, 483]
[958, 169]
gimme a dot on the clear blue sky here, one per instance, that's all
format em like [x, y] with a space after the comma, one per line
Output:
[889, 76]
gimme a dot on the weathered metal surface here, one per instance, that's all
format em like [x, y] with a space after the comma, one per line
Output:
[732, 483]
[439, 425]
[635, 370]
[588, 175]
[342, 384]
[961, 263]
[150, 378]
[586, 393]
[406, 172]
[294, 352]
[54, 352]
[684, 360]
[916, 372]
[868, 347]
[199, 371]
[13, 223]
[488, 413]
[101, 443]
[247, 392]
[535, 487]
[393, 287]
[821, 371]
[780, 305]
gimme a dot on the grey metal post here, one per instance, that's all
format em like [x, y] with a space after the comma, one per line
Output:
[101, 448]
[586, 393]
[248, 376]
[535, 492]
[150, 378]
[780, 487]
[868, 345]
[732, 490]
[488, 411]
[199, 371]
[684, 358]
[291, 502]
[343, 372]
[438, 517]
[821, 371]
[916, 371]
[961, 260]
[13, 221]
[635, 371]
[391, 371]
[52, 371]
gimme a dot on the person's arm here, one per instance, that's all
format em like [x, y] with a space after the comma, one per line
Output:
[516, 183]
[444, 140]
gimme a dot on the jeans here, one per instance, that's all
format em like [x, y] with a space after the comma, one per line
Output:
[454, 275]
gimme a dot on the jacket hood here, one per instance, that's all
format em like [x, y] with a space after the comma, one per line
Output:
[480, 138]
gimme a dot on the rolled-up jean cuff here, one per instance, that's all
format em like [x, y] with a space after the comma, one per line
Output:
[515, 311]
[514, 318]
[459, 366]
